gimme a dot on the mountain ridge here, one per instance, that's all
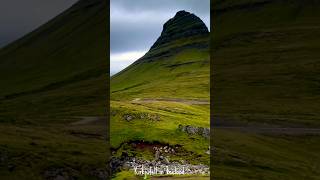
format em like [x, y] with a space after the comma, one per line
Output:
[183, 24]
[184, 31]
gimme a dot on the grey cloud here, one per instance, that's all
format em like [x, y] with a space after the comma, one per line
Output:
[18, 17]
[127, 35]
[198, 6]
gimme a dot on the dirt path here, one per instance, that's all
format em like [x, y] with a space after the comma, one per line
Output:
[273, 130]
[263, 128]
[184, 101]
[83, 120]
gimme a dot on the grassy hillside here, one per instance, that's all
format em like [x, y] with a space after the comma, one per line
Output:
[53, 97]
[266, 61]
[167, 87]
[265, 75]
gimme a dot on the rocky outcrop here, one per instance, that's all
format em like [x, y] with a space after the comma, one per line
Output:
[145, 116]
[163, 154]
[191, 130]
[184, 31]
[182, 25]
[136, 164]
[166, 168]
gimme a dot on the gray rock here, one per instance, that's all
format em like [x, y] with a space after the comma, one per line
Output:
[166, 160]
[157, 154]
[127, 117]
[190, 130]
[206, 133]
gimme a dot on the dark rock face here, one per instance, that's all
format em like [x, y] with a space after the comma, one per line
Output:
[183, 24]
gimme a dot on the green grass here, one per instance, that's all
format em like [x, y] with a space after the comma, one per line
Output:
[265, 71]
[239, 155]
[162, 78]
[182, 75]
[29, 151]
[165, 130]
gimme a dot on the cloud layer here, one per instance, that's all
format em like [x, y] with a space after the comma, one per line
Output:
[135, 25]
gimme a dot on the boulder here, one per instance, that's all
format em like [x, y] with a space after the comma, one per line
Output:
[127, 117]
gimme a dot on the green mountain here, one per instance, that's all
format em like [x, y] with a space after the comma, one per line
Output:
[166, 89]
[53, 97]
[177, 62]
[265, 77]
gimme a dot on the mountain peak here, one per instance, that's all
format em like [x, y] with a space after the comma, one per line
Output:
[181, 14]
[183, 24]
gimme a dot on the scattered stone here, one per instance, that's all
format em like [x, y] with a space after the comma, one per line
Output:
[206, 133]
[165, 164]
[127, 117]
[190, 130]
[166, 160]
[58, 174]
[157, 154]
[101, 174]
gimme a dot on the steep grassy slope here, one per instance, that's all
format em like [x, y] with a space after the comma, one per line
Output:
[167, 87]
[265, 74]
[53, 97]
[66, 53]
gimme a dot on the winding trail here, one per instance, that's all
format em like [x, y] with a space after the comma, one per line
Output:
[265, 128]
[273, 130]
[83, 120]
[184, 101]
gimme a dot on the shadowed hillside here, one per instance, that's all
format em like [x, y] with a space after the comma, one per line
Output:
[266, 61]
[265, 92]
[53, 98]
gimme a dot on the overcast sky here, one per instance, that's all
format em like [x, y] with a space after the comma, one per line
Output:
[18, 17]
[136, 24]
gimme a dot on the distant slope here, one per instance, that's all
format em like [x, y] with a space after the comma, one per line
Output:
[54, 86]
[59, 67]
[266, 61]
[265, 64]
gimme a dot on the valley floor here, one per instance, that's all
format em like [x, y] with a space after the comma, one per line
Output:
[142, 127]
[260, 152]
